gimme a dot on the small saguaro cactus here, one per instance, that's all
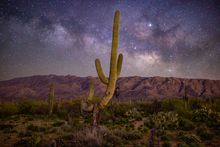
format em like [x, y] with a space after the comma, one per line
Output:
[115, 69]
[186, 98]
[86, 104]
[51, 98]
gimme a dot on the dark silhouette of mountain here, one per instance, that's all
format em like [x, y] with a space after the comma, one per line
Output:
[37, 87]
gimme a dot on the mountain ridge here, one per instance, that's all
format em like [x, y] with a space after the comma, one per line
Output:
[132, 87]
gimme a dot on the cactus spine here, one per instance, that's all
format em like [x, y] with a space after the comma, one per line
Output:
[115, 65]
[51, 99]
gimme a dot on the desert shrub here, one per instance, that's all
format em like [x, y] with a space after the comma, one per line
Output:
[190, 139]
[185, 113]
[143, 129]
[40, 107]
[35, 128]
[25, 106]
[106, 117]
[217, 131]
[75, 123]
[119, 109]
[27, 133]
[160, 132]
[156, 106]
[204, 133]
[85, 137]
[176, 105]
[216, 105]
[168, 105]
[128, 135]
[166, 137]
[133, 114]
[69, 108]
[182, 144]
[33, 141]
[62, 114]
[163, 120]
[132, 135]
[207, 116]
[6, 126]
[166, 144]
[144, 107]
[111, 140]
[186, 124]
[195, 103]
[7, 109]
[58, 123]
[75, 108]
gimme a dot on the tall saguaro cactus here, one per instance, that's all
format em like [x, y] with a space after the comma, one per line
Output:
[115, 65]
[110, 82]
[51, 99]
[115, 69]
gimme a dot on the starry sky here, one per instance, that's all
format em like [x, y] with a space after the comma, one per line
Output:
[169, 38]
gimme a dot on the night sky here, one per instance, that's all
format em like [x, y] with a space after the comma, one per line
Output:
[178, 38]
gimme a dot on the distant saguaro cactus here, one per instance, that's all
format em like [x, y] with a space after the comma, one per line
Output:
[115, 69]
[186, 98]
[87, 104]
[51, 98]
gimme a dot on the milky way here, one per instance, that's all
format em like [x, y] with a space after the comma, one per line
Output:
[157, 37]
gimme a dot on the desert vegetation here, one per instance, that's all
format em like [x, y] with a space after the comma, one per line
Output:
[124, 123]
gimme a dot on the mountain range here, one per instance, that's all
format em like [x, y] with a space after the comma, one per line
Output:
[68, 87]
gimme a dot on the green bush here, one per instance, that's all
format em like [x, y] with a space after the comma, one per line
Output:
[133, 135]
[204, 133]
[143, 129]
[7, 109]
[40, 107]
[182, 145]
[112, 140]
[58, 123]
[186, 124]
[195, 104]
[25, 106]
[168, 105]
[190, 139]
[217, 131]
[207, 116]
[106, 117]
[166, 137]
[163, 120]
[34, 128]
[166, 144]
[119, 109]
[133, 114]
[128, 135]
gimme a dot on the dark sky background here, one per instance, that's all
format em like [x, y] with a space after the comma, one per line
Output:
[179, 38]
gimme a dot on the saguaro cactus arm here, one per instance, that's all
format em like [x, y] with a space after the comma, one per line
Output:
[119, 64]
[100, 72]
